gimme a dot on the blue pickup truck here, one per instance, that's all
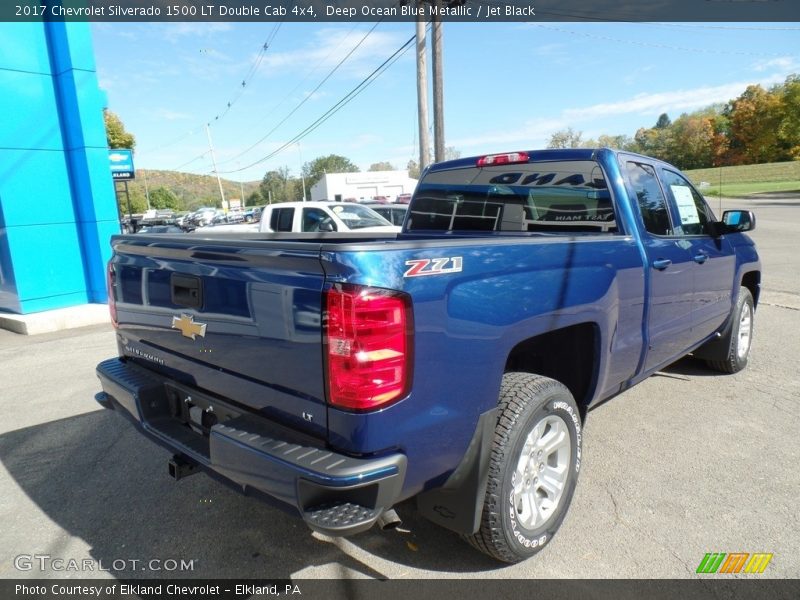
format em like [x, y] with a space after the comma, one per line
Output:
[454, 362]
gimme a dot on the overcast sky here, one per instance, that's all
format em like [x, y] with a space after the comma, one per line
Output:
[507, 86]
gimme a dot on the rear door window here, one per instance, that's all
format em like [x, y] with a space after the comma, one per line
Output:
[650, 198]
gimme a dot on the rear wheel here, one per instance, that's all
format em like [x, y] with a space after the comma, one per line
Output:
[533, 468]
[736, 343]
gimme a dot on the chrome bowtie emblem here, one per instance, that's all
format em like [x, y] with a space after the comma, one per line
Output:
[188, 328]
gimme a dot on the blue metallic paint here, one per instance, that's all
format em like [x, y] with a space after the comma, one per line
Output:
[512, 288]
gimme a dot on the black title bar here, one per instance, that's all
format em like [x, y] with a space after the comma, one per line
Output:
[324, 11]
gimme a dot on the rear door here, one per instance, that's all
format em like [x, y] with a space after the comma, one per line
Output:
[240, 319]
[669, 259]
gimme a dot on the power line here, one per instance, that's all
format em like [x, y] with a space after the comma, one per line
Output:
[306, 77]
[338, 106]
[251, 72]
[304, 100]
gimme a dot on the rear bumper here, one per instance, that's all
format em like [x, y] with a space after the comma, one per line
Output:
[334, 493]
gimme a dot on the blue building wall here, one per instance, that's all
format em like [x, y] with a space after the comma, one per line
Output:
[57, 203]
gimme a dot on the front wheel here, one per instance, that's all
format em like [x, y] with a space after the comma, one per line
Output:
[736, 343]
[536, 456]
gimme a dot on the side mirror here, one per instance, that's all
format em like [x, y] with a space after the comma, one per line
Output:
[737, 221]
[326, 226]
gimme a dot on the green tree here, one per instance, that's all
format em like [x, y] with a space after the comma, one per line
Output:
[654, 142]
[566, 138]
[138, 201]
[116, 136]
[413, 169]
[161, 198]
[381, 166]
[333, 163]
[278, 186]
[620, 142]
[255, 199]
[663, 121]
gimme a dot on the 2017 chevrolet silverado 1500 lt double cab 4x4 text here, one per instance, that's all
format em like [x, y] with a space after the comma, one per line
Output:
[454, 362]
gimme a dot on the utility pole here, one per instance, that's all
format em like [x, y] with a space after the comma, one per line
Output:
[214, 163]
[146, 191]
[302, 177]
[438, 86]
[422, 94]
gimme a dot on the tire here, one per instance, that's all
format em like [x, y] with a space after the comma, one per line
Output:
[519, 515]
[736, 343]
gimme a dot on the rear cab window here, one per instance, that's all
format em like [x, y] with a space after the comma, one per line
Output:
[569, 196]
[281, 219]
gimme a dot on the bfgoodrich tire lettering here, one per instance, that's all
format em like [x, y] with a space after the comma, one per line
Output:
[739, 337]
[536, 456]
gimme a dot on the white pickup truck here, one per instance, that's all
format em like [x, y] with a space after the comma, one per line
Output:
[297, 217]
[323, 216]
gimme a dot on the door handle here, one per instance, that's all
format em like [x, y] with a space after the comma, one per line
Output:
[700, 258]
[661, 263]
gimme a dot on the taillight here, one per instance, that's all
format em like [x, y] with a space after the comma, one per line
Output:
[112, 301]
[509, 158]
[368, 343]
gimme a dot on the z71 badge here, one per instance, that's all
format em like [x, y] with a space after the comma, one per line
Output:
[433, 266]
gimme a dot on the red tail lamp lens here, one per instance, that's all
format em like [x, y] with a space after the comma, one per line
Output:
[368, 335]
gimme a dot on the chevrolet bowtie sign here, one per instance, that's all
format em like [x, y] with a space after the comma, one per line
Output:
[121, 161]
[188, 328]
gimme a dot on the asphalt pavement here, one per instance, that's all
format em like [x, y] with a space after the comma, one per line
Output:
[687, 462]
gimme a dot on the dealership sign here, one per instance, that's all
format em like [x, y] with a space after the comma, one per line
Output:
[121, 164]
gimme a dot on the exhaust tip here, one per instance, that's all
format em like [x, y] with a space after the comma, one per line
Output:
[389, 520]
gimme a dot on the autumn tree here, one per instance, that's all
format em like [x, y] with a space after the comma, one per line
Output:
[116, 136]
[789, 128]
[755, 119]
[691, 141]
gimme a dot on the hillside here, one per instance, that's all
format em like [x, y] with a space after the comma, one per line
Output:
[746, 180]
[192, 190]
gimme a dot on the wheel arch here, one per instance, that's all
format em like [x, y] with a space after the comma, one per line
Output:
[752, 281]
[570, 355]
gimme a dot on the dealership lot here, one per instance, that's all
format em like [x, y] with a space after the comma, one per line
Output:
[686, 463]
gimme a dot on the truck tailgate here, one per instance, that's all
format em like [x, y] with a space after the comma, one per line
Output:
[234, 318]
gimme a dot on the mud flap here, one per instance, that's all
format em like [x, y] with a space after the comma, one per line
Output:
[458, 504]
